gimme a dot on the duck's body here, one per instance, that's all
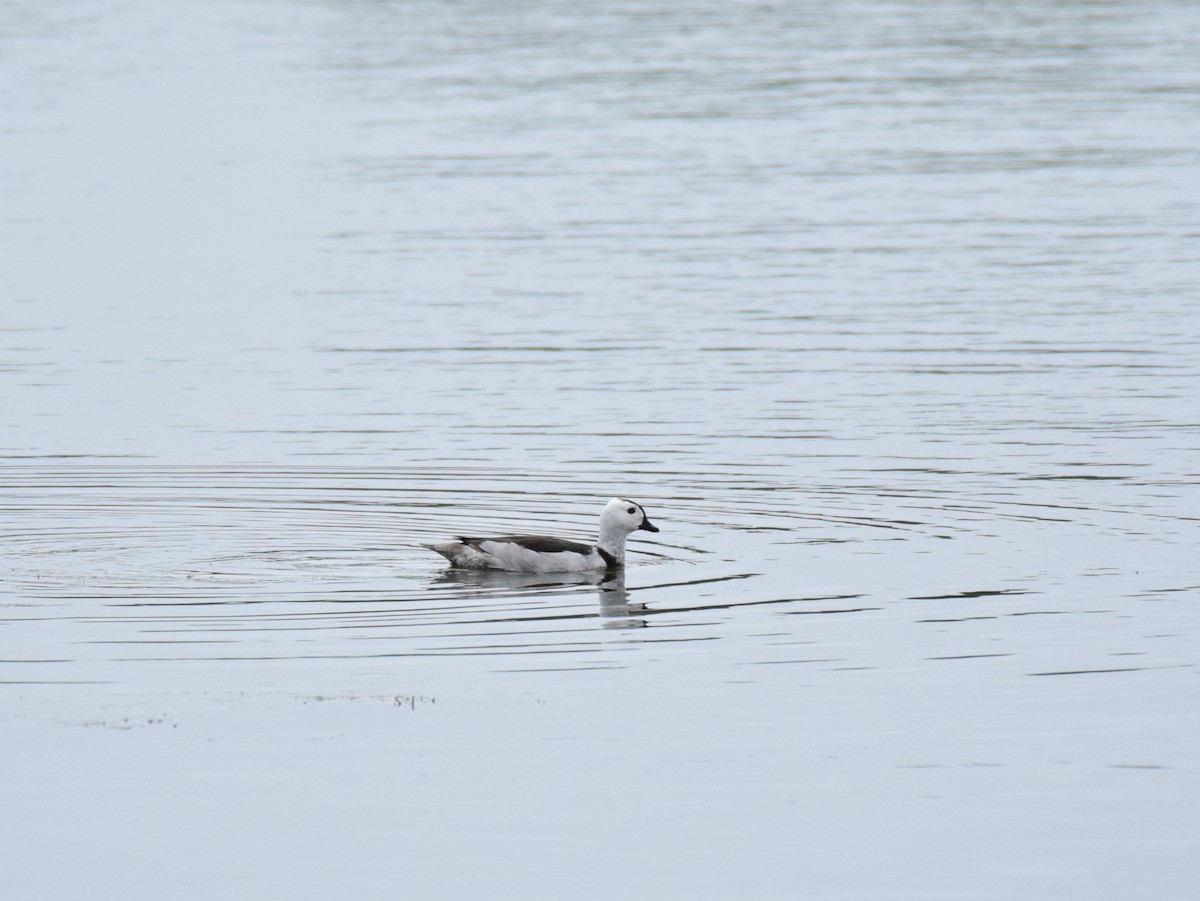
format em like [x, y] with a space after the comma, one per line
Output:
[525, 553]
[538, 554]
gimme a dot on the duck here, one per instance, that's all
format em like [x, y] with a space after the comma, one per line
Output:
[540, 554]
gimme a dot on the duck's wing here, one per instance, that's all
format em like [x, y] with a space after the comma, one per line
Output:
[537, 543]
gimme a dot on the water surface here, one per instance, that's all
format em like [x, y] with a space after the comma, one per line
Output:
[887, 312]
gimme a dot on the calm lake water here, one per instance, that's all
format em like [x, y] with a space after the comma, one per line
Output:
[887, 311]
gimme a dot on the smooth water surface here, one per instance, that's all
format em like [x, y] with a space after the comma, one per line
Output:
[887, 312]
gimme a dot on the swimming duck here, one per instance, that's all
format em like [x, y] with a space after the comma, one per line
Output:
[534, 553]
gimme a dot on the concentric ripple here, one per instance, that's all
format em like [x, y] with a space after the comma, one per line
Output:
[113, 564]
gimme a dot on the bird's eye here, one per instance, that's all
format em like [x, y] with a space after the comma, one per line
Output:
[632, 510]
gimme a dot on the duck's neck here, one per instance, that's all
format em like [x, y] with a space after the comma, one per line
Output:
[612, 542]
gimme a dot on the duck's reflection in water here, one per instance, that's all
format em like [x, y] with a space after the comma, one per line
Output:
[614, 607]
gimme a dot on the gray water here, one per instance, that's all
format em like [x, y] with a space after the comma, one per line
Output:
[887, 313]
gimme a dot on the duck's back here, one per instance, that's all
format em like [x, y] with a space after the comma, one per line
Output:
[522, 553]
